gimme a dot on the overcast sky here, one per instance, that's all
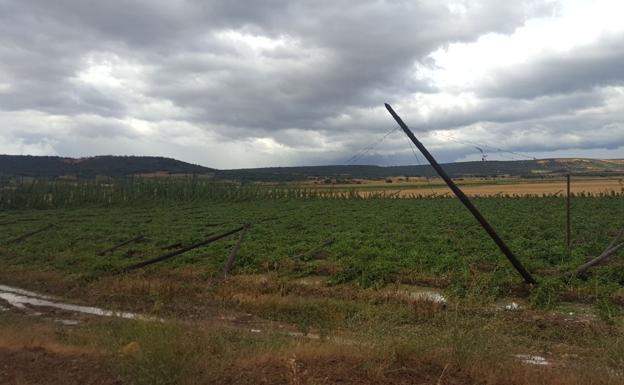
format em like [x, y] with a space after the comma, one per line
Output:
[231, 84]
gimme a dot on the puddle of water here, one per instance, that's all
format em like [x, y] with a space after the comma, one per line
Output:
[311, 281]
[67, 322]
[512, 306]
[336, 339]
[19, 298]
[312, 336]
[15, 290]
[416, 293]
[532, 360]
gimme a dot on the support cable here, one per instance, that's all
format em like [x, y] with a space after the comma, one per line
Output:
[366, 150]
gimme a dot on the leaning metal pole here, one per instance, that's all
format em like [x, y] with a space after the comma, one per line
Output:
[464, 199]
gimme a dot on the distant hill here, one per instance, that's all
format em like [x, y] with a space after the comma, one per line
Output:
[520, 168]
[121, 166]
[112, 166]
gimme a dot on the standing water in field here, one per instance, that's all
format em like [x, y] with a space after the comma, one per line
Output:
[24, 299]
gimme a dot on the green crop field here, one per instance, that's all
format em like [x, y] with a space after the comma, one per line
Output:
[376, 240]
[353, 308]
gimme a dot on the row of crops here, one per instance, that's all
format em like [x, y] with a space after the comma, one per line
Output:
[59, 194]
[42, 194]
[375, 241]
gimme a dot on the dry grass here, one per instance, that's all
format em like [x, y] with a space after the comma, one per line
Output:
[372, 336]
[36, 336]
[594, 186]
[464, 351]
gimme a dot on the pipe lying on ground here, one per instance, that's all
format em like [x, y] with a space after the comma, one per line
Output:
[28, 235]
[182, 250]
[122, 244]
[314, 251]
[610, 250]
[232, 257]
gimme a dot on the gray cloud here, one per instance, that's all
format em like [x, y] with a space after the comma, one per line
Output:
[583, 68]
[282, 82]
[353, 54]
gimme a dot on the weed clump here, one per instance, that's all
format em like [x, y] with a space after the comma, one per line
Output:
[546, 295]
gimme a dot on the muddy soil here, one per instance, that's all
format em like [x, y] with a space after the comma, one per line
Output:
[38, 366]
[341, 370]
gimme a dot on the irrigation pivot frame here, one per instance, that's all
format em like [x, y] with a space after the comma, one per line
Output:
[464, 199]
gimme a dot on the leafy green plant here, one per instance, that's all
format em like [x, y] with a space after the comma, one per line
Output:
[547, 294]
[377, 240]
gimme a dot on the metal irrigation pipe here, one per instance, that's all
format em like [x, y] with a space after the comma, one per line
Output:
[464, 199]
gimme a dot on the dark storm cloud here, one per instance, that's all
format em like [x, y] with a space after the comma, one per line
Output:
[309, 76]
[39, 58]
[355, 54]
[368, 48]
